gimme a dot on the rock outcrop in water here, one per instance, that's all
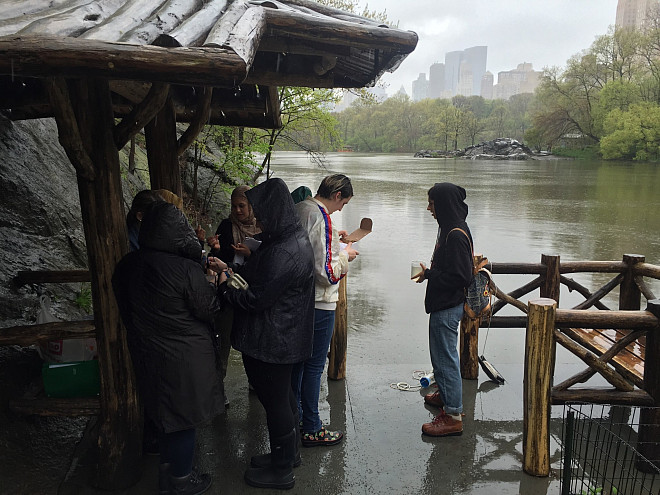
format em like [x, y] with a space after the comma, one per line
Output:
[497, 149]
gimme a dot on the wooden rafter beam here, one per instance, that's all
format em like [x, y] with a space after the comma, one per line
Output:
[141, 114]
[201, 118]
[67, 126]
[39, 56]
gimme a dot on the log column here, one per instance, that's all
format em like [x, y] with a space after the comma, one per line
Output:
[339, 342]
[552, 283]
[629, 294]
[120, 437]
[469, 341]
[537, 383]
[162, 146]
[648, 442]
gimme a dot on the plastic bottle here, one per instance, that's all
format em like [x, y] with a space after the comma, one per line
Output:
[427, 380]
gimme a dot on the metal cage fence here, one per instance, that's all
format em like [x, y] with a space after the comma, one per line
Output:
[600, 452]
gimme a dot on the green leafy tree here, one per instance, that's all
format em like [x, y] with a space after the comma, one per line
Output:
[632, 134]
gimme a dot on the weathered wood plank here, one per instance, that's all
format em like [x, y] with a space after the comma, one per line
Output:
[167, 18]
[605, 396]
[44, 56]
[606, 319]
[26, 335]
[128, 17]
[193, 31]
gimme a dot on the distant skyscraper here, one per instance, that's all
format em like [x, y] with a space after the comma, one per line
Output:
[452, 70]
[467, 64]
[523, 79]
[420, 87]
[476, 56]
[632, 13]
[436, 80]
[487, 85]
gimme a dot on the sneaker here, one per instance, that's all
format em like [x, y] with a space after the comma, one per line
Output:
[443, 425]
[433, 399]
[321, 437]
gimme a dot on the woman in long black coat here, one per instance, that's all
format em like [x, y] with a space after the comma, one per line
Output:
[168, 308]
[273, 325]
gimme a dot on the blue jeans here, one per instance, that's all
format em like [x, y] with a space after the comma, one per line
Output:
[443, 341]
[306, 376]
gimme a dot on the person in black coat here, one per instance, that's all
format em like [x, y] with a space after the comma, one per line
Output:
[273, 325]
[450, 273]
[168, 308]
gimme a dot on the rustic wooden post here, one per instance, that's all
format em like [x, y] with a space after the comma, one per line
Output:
[162, 146]
[339, 342]
[537, 383]
[469, 342]
[120, 437]
[648, 441]
[629, 294]
[551, 283]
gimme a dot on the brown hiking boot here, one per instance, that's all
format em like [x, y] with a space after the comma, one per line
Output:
[443, 425]
[433, 399]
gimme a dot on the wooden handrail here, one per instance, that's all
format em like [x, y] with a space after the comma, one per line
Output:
[606, 319]
[25, 335]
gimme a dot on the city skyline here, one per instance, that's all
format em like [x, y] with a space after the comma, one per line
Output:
[542, 33]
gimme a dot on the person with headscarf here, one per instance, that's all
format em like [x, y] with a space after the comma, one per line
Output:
[273, 325]
[450, 273]
[169, 309]
[228, 243]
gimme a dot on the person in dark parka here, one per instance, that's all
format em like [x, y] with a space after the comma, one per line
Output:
[168, 308]
[273, 322]
[450, 273]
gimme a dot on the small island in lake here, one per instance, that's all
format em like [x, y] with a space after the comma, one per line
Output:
[497, 149]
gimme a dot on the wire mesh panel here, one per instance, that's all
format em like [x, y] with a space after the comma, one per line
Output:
[600, 453]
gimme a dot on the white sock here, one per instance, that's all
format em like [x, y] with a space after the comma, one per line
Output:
[456, 417]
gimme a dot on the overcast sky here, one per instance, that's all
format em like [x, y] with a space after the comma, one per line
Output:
[543, 32]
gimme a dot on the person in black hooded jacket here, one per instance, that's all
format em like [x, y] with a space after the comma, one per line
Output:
[450, 273]
[168, 309]
[273, 325]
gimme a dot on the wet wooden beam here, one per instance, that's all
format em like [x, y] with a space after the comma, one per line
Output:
[161, 141]
[26, 335]
[594, 396]
[141, 114]
[606, 319]
[201, 118]
[37, 56]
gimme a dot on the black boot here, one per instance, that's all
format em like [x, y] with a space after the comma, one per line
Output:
[191, 484]
[279, 474]
[164, 479]
[264, 460]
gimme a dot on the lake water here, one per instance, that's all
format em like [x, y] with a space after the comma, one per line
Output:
[518, 211]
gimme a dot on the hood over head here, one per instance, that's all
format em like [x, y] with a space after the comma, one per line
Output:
[449, 202]
[166, 228]
[273, 208]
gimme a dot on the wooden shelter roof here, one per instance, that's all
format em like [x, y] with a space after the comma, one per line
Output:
[241, 48]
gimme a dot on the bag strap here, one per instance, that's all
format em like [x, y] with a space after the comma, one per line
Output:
[465, 234]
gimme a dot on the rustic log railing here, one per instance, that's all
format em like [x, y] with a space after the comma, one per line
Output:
[546, 326]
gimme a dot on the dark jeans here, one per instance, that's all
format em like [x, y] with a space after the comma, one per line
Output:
[272, 383]
[177, 449]
[306, 377]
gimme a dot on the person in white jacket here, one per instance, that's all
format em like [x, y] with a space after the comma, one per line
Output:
[330, 265]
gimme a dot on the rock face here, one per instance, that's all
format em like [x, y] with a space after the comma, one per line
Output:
[40, 219]
[497, 149]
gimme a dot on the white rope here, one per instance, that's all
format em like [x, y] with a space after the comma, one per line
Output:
[407, 387]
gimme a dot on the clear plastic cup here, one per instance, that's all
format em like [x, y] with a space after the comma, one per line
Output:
[415, 268]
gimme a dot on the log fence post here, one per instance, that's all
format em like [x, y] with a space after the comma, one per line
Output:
[552, 283]
[339, 342]
[469, 342]
[648, 441]
[537, 383]
[629, 293]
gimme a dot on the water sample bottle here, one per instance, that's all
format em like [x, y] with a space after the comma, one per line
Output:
[427, 380]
